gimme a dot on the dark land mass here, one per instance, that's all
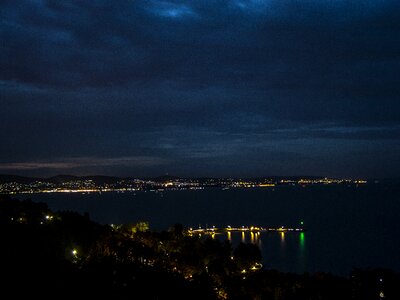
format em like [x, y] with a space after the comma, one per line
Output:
[98, 179]
[64, 255]
[59, 179]
[14, 178]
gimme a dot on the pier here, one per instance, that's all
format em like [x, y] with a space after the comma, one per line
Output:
[252, 229]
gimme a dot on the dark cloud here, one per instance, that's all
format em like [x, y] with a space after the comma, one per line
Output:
[242, 87]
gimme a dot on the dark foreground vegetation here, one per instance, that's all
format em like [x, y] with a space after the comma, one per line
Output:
[65, 255]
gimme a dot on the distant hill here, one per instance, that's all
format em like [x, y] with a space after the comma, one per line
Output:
[62, 178]
[58, 179]
[99, 179]
[165, 178]
[14, 178]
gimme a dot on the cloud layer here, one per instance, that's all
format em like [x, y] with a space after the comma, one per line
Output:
[241, 88]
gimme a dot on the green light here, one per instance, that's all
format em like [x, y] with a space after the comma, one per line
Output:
[302, 239]
[301, 223]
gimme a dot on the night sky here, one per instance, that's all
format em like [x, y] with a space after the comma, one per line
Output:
[200, 88]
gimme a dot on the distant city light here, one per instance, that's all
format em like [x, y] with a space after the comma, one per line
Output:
[90, 186]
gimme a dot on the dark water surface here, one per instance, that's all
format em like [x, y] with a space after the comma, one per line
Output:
[347, 226]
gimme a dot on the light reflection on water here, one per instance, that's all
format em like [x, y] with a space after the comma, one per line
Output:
[302, 261]
[274, 246]
[282, 238]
